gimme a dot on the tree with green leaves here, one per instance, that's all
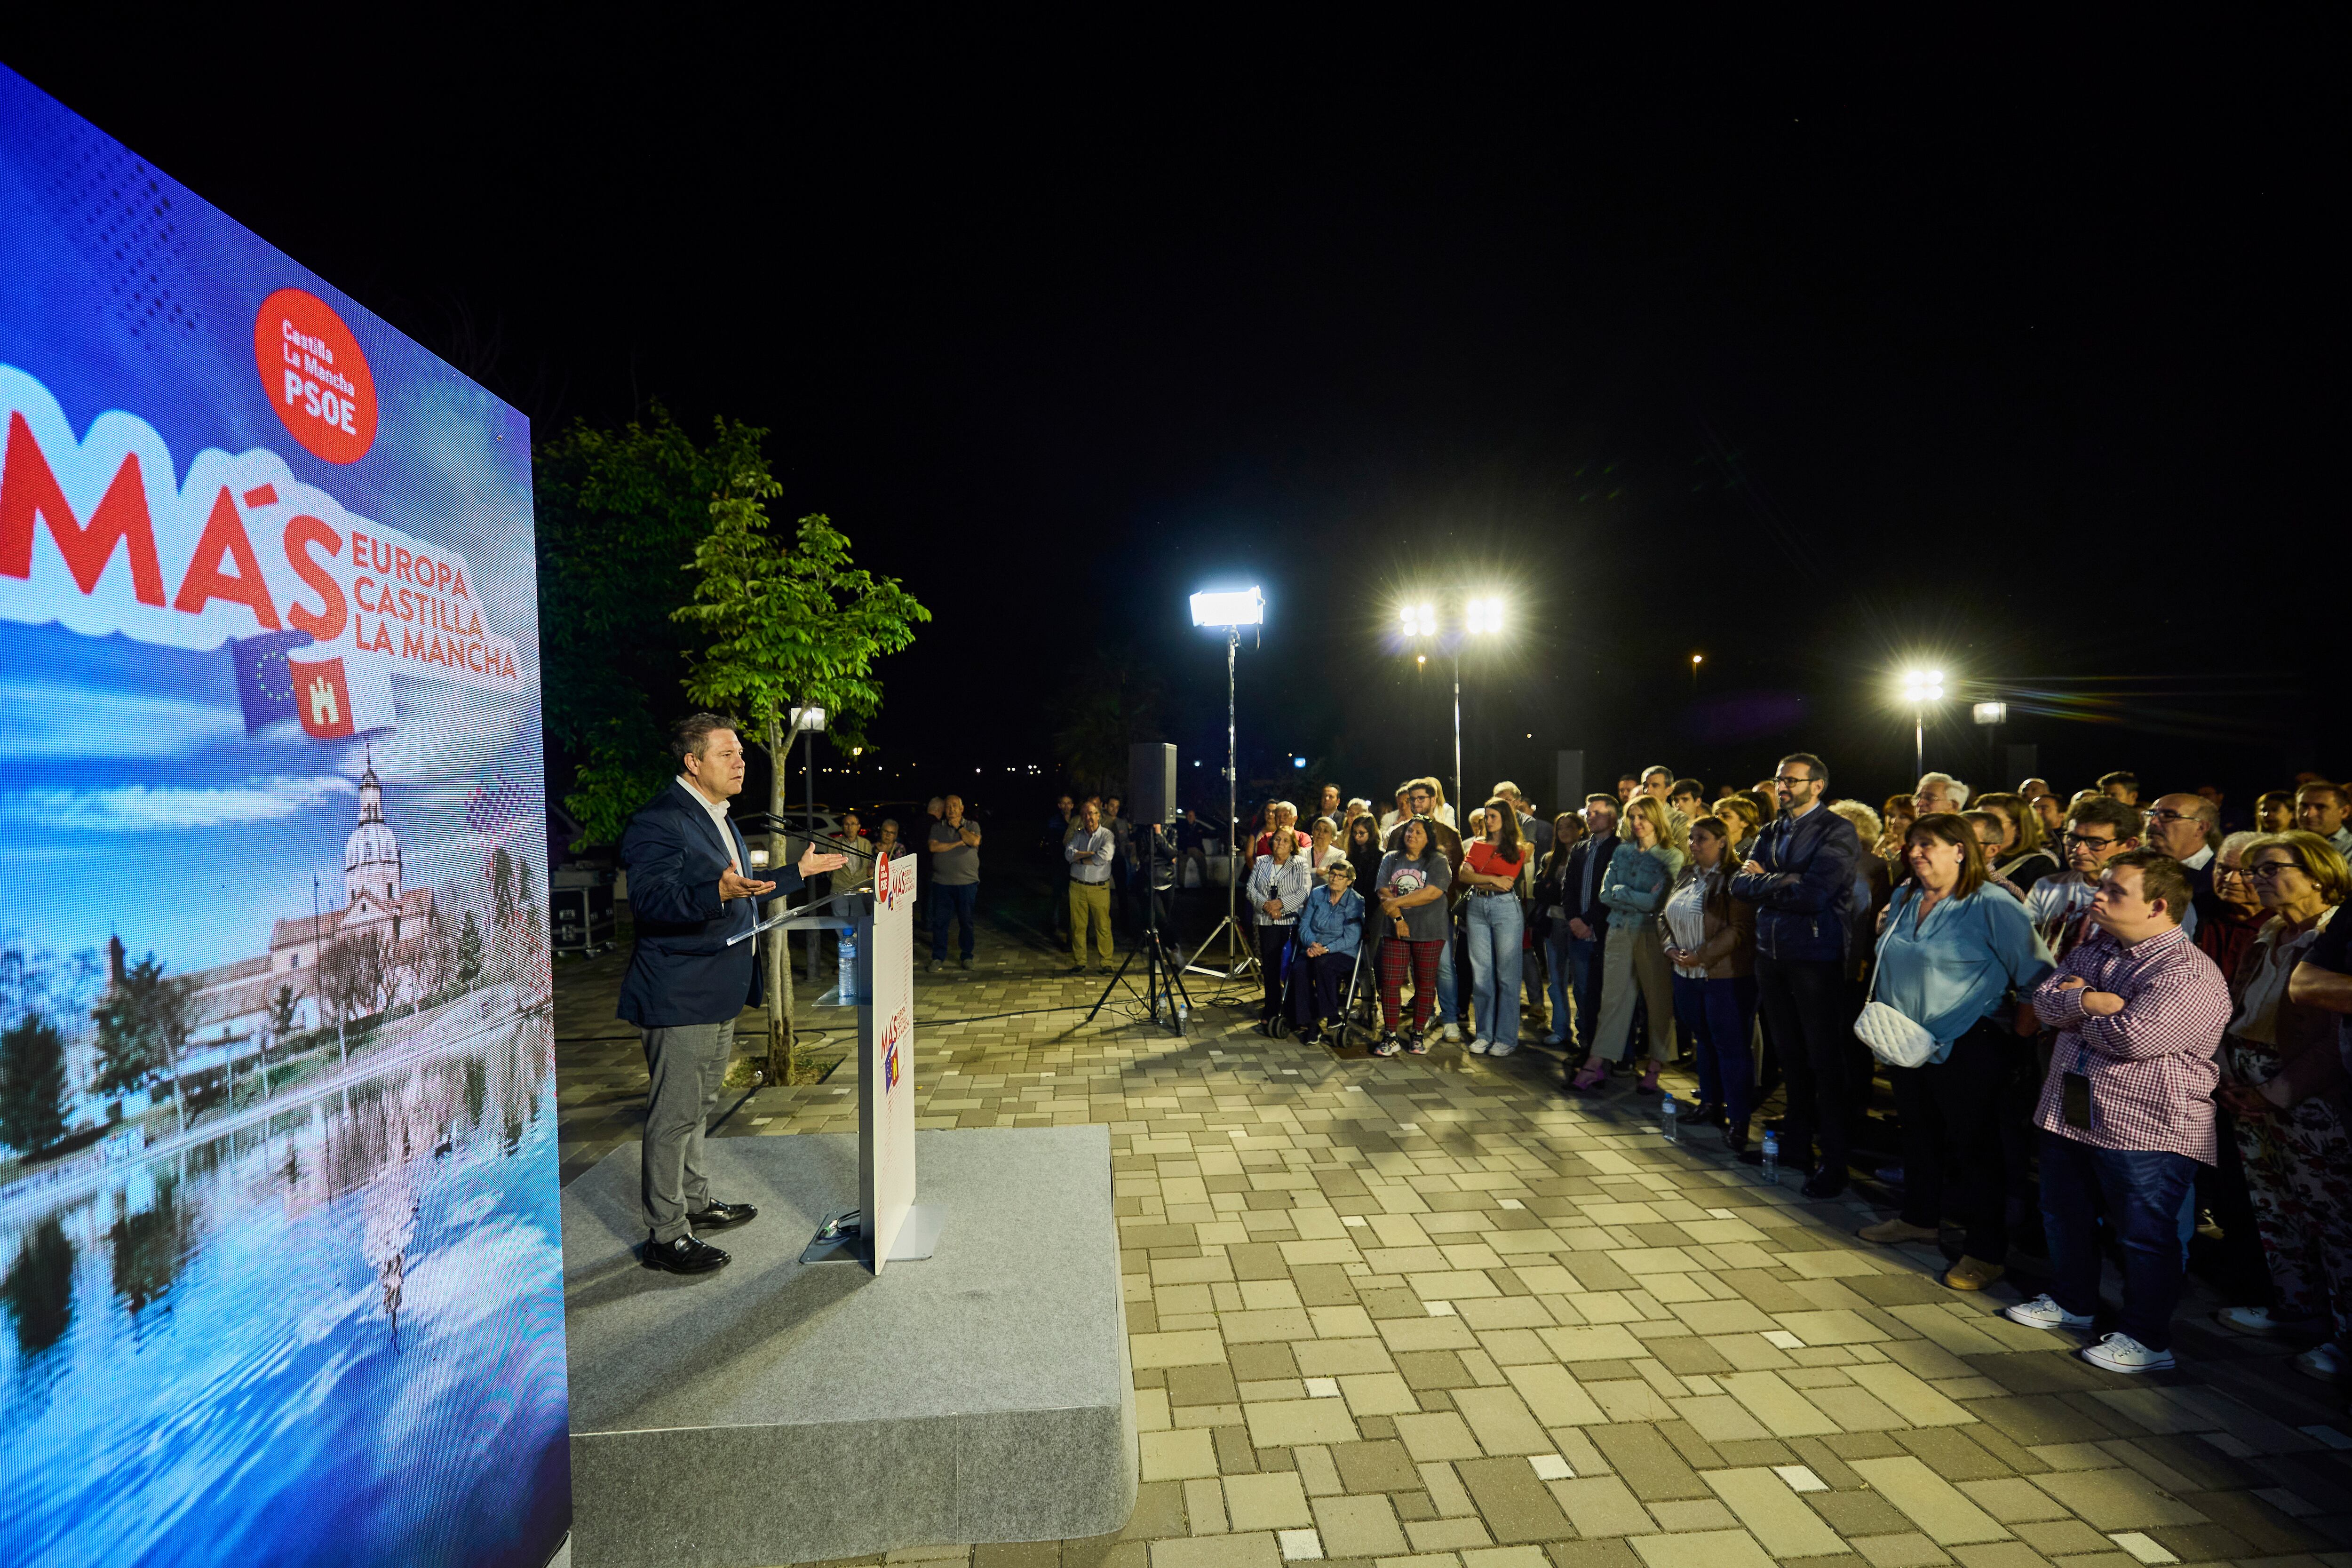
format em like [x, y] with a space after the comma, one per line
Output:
[618, 513]
[31, 1084]
[469, 952]
[793, 625]
[143, 1023]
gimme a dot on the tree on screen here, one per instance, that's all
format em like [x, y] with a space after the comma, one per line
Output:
[143, 1023]
[470, 951]
[31, 1084]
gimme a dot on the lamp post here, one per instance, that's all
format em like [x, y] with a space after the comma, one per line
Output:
[1921, 687]
[1231, 611]
[1479, 617]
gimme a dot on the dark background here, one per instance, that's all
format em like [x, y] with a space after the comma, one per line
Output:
[1824, 356]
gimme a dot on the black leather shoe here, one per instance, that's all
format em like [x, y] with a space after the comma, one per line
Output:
[1736, 1140]
[720, 1216]
[1825, 1183]
[685, 1256]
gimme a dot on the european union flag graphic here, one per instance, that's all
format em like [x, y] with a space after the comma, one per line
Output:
[265, 686]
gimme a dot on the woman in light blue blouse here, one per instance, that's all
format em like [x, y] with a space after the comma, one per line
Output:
[1955, 953]
[1641, 873]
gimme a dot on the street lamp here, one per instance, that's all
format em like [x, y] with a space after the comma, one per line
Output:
[1921, 687]
[1480, 617]
[1231, 610]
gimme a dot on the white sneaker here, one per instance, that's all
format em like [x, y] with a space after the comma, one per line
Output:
[2044, 1313]
[2121, 1352]
[1451, 1034]
[2254, 1321]
[2325, 1361]
[1476, 1047]
[1500, 1048]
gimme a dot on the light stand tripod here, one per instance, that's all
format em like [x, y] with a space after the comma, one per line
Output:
[1241, 955]
[1164, 996]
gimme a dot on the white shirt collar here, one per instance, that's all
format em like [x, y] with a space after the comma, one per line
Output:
[2198, 861]
[717, 810]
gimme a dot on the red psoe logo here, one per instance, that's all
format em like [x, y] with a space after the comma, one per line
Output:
[315, 376]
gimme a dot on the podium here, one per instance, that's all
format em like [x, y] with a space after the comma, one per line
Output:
[892, 1228]
[789, 1410]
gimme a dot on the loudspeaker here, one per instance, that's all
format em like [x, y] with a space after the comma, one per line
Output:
[1152, 782]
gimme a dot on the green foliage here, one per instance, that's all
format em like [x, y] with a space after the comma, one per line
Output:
[143, 1020]
[793, 625]
[31, 1084]
[281, 1012]
[1096, 719]
[618, 513]
[470, 951]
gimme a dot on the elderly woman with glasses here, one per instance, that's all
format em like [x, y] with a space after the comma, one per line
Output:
[1330, 934]
[2284, 1080]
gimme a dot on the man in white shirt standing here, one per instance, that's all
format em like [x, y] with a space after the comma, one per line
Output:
[1089, 853]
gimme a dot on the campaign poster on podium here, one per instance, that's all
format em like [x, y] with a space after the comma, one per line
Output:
[886, 1078]
[280, 1266]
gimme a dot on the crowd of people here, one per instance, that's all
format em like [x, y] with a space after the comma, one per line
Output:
[2086, 1013]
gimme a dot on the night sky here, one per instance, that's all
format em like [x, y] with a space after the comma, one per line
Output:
[1814, 371]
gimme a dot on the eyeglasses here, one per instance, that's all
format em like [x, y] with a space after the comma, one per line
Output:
[2269, 869]
[2167, 815]
[2084, 841]
[1790, 779]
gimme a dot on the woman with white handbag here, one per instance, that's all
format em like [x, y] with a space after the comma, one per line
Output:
[1954, 953]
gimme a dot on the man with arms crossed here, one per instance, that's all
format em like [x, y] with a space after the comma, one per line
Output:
[2127, 1109]
[688, 894]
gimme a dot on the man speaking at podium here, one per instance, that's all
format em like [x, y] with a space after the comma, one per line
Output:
[687, 894]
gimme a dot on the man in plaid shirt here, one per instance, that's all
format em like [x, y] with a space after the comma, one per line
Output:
[2127, 1110]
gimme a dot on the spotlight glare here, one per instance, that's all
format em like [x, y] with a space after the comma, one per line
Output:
[1237, 607]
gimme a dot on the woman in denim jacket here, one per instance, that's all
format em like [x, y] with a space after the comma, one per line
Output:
[1641, 874]
[1330, 934]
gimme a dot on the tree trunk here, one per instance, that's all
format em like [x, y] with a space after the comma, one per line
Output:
[776, 953]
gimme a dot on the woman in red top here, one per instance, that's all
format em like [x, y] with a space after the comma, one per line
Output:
[1495, 921]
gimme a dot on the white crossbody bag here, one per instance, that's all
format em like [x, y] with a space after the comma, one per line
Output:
[1891, 1035]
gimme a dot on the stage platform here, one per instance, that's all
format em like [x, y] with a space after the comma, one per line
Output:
[776, 1412]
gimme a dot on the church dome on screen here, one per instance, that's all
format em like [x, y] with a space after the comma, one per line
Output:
[372, 854]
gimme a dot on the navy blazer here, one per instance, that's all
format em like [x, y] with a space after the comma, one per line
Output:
[681, 970]
[1595, 914]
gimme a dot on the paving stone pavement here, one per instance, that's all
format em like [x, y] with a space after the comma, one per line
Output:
[1433, 1313]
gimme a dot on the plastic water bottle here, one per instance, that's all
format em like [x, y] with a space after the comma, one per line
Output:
[1669, 1118]
[844, 955]
[1770, 1171]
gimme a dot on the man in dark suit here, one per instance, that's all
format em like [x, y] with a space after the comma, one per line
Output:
[1587, 919]
[689, 893]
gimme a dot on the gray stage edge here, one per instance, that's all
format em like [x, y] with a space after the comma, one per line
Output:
[777, 1413]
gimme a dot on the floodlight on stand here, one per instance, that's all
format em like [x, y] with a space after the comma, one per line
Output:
[1420, 620]
[1234, 607]
[808, 719]
[1484, 615]
[1923, 686]
[1989, 713]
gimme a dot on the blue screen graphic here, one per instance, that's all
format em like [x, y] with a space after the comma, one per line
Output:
[281, 1270]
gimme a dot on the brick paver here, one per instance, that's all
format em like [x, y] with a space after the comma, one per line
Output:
[1434, 1313]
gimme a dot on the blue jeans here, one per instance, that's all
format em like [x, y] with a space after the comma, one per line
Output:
[2143, 1192]
[1584, 982]
[952, 902]
[1718, 1015]
[1559, 977]
[1449, 999]
[1495, 924]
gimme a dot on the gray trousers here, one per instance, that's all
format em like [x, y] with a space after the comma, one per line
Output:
[686, 1067]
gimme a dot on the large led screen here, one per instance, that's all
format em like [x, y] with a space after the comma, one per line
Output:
[281, 1270]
